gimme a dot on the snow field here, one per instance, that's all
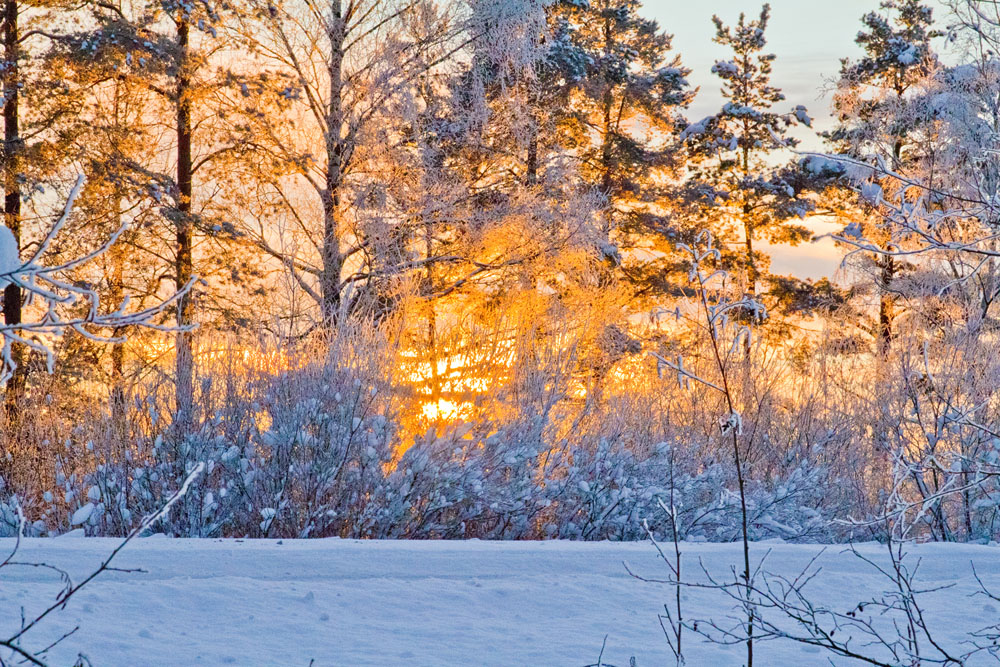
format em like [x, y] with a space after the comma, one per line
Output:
[340, 602]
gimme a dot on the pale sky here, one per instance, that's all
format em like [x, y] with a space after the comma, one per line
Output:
[809, 38]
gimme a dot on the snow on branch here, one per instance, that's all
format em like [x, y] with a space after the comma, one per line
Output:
[46, 287]
[15, 643]
[717, 314]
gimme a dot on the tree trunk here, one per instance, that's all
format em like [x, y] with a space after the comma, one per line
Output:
[748, 227]
[751, 261]
[184, 265]
[116, 288]
[531, 177]
[117, 294]
[606, 148]
[886, 312]
[432, 350]
[12, 297]
[331, 256]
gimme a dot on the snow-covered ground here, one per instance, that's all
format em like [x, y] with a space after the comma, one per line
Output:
[220, 602]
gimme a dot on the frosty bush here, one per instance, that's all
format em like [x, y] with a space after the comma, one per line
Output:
[319, 450]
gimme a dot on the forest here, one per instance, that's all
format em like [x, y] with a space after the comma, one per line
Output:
[473, 277]
[468, 269]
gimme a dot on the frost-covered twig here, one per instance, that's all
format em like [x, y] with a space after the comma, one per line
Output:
[888, 629]
[45, 287]
[14, 642]
[671, 620]
[717, 319]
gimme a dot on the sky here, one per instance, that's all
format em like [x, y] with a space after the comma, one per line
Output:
[809, 37]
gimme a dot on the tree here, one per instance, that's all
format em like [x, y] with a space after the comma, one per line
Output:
[12, 153]
[532, 95]
[498, 211]
[874, 127]
[162, 53]
[116, 143]
[622, 116]
[733, 175]
[38, 121]
[342, 66]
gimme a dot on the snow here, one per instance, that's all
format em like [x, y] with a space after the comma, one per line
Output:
[696, 129]
[217, 602]
[10, 261]
[82, 515]
[853, 230]
[820, 165]
[871, 192]
[802, 115]
[725, 68]
[908, 56]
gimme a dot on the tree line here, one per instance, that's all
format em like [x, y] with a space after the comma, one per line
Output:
[416, 268]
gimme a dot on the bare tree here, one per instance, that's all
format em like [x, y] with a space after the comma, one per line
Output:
[721, 320]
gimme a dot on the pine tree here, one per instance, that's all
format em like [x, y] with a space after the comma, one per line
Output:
[734, 176]
[873, 125]
[12, 156]
[488, 191]
[623, 114]
[39, 122]
[535, 101]
[161, 52]
[128, 43]
[116, 148]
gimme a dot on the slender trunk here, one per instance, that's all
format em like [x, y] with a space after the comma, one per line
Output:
[532, 167]
[886, 311]
[678, 628]
[751, 261]
[433, 163]
[967, 504]
[738, 461]
[117, 294]
[12, 297]
[943, 528]
[532, 96]
[969, 453]
[745, 534]
[431, 314]
[748, 226]
[331, 256]
[184, 265]
[532, 176]
[606, 148]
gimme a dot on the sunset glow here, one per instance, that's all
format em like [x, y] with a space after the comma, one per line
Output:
[711, 286]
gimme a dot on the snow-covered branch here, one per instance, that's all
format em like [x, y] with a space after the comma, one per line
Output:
[50, 295]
